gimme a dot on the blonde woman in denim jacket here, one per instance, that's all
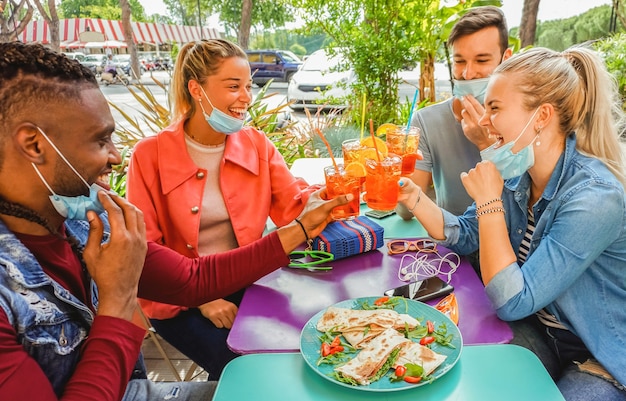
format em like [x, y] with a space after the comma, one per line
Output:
[549, 215]
[207, 184]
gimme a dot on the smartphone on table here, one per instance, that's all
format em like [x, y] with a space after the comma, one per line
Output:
[423, 290]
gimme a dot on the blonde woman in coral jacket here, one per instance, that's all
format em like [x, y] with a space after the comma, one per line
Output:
[206, 184]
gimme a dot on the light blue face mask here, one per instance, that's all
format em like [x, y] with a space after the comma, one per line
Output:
[220, 121]
[72, 207]
[511, 164]
[474, 87]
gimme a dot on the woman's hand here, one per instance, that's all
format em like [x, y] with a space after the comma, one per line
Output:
[220, 312]
[483, 182]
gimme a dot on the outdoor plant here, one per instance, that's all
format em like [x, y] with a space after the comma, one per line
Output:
[613, 50]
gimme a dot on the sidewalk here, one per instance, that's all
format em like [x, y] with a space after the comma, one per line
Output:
[159, 370]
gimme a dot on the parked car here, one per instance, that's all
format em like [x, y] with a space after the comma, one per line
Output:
[75, 55]
[317, 84]
[276, 65]
[95, 62]
[123, 61]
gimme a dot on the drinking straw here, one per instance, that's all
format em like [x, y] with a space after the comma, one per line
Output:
[408, 125]
[374, 139]
[363, 117]
[330, 150]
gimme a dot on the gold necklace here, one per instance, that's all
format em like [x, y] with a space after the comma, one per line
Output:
[204, 143]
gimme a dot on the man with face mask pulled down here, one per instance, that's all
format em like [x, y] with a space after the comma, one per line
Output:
[451, 138]
[74, 257]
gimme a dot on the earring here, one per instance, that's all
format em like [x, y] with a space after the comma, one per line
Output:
[538, 132]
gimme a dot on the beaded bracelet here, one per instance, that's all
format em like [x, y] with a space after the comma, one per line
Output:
[492, 210]
[419, 195]
[302, 226]
[488, 203]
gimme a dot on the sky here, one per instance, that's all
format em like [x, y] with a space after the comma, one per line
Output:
[548, 9]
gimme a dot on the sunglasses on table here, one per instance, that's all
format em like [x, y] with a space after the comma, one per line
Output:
[398, 246]
[310, 260]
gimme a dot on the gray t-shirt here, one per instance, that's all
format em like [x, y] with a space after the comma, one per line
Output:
[447, 153]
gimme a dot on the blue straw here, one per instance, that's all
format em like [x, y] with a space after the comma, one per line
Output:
[417, 91]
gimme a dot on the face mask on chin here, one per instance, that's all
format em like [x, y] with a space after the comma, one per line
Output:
[474, 87]
[511, 164]
[72, 207]
[220, 121]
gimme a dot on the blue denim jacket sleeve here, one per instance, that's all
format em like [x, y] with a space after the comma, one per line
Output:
[577, 227]
[581, 225]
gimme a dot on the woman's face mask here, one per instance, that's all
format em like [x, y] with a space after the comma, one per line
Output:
[511, 164]
[220, 121]
[72, 207]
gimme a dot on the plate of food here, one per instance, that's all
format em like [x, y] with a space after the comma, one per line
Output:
[381, 343]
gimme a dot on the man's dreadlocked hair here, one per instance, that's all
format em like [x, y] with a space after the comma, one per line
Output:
[31, 73]
[32, 76]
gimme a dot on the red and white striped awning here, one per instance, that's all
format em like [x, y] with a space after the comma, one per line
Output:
[143, 32]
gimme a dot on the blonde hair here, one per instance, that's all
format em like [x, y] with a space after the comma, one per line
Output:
[584, 96]
[197, 61]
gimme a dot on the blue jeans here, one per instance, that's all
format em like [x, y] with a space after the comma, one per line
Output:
[558, 349]
[145, 390]
[198, 338]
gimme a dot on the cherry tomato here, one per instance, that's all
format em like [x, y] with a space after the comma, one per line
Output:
[325, 350]
[336, 341]
[334, 350]
[427, 340]
[412, 379]
[381, 301]
[430, 326]
[400, 371]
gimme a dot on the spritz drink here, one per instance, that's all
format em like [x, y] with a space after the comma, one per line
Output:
[404, 144]
[340, 182]
[381, 181]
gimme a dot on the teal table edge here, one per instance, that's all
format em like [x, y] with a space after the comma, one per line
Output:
[484, 372]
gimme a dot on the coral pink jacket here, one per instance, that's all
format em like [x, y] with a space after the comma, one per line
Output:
[168, 187]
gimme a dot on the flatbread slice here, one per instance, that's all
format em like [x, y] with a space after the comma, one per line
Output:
[369, 361]
[343, 319]
[419, 355]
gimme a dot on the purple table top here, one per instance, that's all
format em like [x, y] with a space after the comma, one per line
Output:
[275, 309]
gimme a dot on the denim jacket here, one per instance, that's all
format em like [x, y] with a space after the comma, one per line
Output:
[50, 322]
[576, 267]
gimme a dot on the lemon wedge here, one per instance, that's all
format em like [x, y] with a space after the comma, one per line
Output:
[384, 128]
[381, 146]
[355, 169]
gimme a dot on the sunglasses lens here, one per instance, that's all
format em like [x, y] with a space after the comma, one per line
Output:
[426, 246]
[398, 246]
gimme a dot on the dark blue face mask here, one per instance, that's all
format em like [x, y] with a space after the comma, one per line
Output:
[72, 207]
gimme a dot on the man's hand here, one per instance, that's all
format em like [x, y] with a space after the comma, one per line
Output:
[117, 264]
[316, 213]
[470, 115]
[220, 312]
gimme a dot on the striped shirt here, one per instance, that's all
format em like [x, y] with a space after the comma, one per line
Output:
[543, 315]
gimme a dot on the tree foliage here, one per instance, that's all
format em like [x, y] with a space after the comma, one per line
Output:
[379, 38]
[104, 9]
[612, 51]
[14, 16]
[560, 34]
[264, 13]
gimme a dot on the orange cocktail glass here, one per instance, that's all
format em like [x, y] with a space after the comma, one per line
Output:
[352, 153]
[339, 182]
[404, 144]
[381, 182]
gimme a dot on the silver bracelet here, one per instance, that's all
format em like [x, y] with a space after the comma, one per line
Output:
[488, 203]
[419, 195]
[492, 210]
